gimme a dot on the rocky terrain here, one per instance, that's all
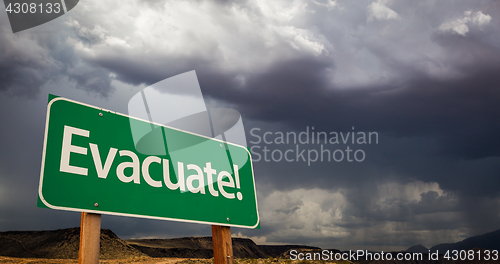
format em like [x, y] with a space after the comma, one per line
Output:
[61, 246]
[201, 247]
[64, 244]
[487, 241]
[194, 247]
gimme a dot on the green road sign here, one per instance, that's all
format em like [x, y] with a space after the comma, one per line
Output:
[91, 164]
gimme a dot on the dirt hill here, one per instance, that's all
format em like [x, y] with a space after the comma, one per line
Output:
[64, 244]
[417, 249]
[188, 247]
[61, 244]
[486, 241]
[201, 247]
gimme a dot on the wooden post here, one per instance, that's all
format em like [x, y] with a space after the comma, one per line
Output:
[223, 247]
[90, 234]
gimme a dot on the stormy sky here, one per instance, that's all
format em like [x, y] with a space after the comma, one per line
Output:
[423, 75]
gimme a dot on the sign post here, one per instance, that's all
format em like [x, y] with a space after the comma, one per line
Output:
[90, 234]
[223, 247]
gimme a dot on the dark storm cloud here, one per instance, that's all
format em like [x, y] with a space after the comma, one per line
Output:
[92, 79]
[21, 61]
[447, 119]
[31, 59]
[398, 208]
[461, 114]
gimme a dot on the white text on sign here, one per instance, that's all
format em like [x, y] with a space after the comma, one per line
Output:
[182, 183]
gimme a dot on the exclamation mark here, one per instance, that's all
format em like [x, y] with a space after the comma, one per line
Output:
[237, 176]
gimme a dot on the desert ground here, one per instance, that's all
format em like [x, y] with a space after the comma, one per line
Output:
[158, 261]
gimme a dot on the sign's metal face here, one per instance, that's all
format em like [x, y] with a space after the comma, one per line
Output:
[90, 163]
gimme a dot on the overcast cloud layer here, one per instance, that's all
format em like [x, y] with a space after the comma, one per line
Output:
[422, 74]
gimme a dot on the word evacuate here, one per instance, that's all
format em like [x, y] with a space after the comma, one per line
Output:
[182, 183]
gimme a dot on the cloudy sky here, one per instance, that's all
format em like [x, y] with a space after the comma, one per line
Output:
[423, 74]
